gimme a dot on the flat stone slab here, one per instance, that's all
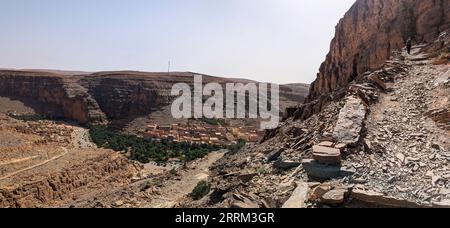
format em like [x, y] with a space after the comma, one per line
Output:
[350, 122]
[298, 197]
[320, 171]
[326, 143]
[327, 155]
[379, 199]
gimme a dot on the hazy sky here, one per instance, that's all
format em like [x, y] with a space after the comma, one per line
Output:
[267, 40]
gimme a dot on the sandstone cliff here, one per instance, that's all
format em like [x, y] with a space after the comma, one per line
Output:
[370, 31]
[51, 94]
[99, 97]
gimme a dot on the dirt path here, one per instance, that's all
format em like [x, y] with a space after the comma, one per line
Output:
[18, 160]
[65, 152]
[175, 190]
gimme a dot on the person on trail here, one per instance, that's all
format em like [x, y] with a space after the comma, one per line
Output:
[409, 46]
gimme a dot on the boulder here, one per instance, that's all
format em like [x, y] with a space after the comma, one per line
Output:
[274, 155]
[334, 197]
[327, 155]
[298, 197]
[320, 171]
[317, 192]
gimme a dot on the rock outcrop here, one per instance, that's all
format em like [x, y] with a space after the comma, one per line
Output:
[103, 171]
[370, 31]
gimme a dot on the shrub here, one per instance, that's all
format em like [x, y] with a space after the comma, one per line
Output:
[173, 172]
[237, 147]
[201, 190]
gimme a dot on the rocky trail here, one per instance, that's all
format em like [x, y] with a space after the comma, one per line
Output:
[174, 191]
[64, 153]
[410, 150]
[390, 145]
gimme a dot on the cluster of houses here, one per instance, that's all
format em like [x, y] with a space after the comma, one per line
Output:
[202, 134]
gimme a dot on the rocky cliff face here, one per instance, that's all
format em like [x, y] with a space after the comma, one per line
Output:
[122, 96]
[106, 96]
[103, 96]
[370, 31]
[51, 94]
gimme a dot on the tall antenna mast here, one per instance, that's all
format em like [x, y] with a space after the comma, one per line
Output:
[168, 67]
